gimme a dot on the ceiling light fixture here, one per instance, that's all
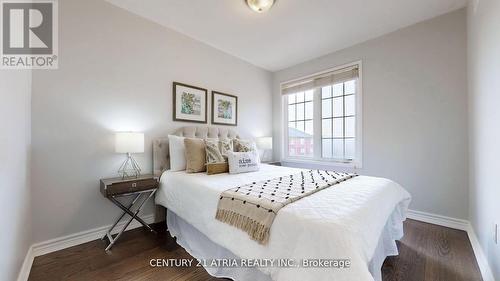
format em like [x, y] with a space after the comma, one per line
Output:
[260, 6]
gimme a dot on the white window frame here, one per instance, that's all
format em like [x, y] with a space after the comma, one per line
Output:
[317, 159]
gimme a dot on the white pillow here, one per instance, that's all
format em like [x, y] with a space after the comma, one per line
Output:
[177, 153]
[242, 162]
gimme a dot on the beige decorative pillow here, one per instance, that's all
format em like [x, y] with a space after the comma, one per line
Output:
[225, 145]
[195, 155]
[216, 154]
[244, 145]
[213, 152]
[217, 168]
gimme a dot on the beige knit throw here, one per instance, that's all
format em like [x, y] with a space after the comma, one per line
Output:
[253, 207]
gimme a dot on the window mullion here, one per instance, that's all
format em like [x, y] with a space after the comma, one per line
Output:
[343, 121]
[317, 124]
[333, 119]
[286, 139]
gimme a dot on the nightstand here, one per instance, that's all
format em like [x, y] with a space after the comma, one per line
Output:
[143, 186]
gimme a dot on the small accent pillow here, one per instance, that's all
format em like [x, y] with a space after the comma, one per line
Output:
[225, 145]
[216, 162]
[244, 145]
[195, 155]
[242, 162]
[177, 153]
[217, 168]
[213, 152]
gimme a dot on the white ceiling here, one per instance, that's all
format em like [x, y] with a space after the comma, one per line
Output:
[293, 31]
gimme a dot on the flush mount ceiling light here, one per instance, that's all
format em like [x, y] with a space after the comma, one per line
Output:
[260, 6]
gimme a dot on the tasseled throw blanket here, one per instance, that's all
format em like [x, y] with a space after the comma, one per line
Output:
[253, 207]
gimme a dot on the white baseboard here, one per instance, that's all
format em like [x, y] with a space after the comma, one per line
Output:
[482, 261]
[460, 224]
[438, 220]
[26, 267]
[74, 239]
[56, 244]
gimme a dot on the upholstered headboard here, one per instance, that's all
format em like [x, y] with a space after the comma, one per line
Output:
[161, 159]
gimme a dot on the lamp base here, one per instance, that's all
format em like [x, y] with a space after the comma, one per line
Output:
[266, 155]
[130, 168]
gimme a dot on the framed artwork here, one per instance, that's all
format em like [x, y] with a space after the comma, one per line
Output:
[190, 103]
[224, 109]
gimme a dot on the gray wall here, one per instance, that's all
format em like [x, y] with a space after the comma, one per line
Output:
[15, 237]
[115, 73]
[414, 110]
[484, 101]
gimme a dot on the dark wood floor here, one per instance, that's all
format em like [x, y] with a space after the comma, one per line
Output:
[427, 252]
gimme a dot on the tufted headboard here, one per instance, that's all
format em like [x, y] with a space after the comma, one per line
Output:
[161, 159]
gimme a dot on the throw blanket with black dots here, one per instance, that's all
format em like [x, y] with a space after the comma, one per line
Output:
[253, 207]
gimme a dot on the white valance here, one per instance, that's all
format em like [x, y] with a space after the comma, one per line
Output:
[321, 80]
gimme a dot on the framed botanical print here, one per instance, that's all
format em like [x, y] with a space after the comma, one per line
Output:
[190, 103]
[224, 109]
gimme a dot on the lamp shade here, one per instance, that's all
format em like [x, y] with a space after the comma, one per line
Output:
[127, 142]
[265, 143]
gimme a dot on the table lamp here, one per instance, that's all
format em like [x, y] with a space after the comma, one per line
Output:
[265, 144]
[128, 142]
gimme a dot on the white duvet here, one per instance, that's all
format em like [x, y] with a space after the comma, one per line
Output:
[341, 222]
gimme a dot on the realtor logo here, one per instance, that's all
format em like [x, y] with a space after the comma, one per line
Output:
[29, 34]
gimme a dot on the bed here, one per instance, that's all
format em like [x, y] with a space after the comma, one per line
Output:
[358, 220]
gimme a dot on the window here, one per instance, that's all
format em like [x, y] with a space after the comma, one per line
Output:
[322, 115]
[338, 121]
[300, 123]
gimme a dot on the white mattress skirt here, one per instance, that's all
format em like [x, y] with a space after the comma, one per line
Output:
[201, 247]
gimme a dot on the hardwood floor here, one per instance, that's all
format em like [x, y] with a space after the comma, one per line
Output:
[431, 252]
[427, 252]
